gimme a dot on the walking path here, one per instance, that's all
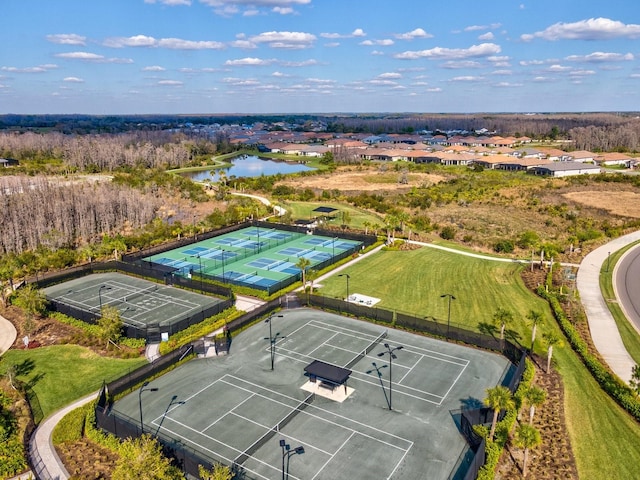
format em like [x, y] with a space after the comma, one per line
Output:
[602, 325]
[8, 334]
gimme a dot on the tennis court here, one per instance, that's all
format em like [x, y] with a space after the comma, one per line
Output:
[141, 303]
[235, 409]
[256, 257]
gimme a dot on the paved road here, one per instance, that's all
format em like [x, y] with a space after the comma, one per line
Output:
[627, 285]
[604, 330]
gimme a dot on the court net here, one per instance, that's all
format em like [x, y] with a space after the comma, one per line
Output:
[366, 351]
[240, 459]
[140, 293]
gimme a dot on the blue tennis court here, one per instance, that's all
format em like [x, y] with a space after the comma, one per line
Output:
[258, 257]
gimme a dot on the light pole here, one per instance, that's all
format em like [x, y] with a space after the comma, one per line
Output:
[392, 356]
[451, 297]
[287, 453]
[377, 369]
[223, 252]
[143, 389]
[608, 260]
[106, 287]
[348, 277]
[200, 271]
[272, 338]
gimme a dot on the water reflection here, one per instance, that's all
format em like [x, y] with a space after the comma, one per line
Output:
[247, 166]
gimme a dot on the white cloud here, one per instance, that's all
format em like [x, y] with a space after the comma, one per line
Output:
[482, 50]
[474, 28]
[390, 75]
[92, 57]
[416, 33]
[461, 64]
[501, 72]
[170, 3]
[283, 10]
[526, 63]
[232, 7]
[558, 68]
[582, 73]
[591, 29]
[507, 85]
[377, 52]
[171, 43]
[383, 42]
[466, 78]
[67, 39]
[291, 40]
[279, 74]
[541, 79]
[499, 61]
[303, 63]
[73, 80]
[386, 83]
[486, 36]
[434, 89]
[39, 69]
[248, 61]
[596, 57]
[246, 44]
[320, 81]
[332, 44]
[179, 44]
[358, 32]
[135, 41]
[171, 83]
[154, 68]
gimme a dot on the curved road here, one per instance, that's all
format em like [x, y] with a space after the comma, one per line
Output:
[604, 330]
[627, 285]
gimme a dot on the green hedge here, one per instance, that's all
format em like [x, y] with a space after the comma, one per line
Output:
[610, 383]
[12, 454]
[199, 330]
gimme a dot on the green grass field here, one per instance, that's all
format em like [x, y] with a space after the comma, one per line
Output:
[61, 374]
[304, 210]
[412, 281]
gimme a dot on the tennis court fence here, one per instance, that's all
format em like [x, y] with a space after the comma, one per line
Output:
[470, 461]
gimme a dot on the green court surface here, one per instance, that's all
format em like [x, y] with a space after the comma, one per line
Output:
[235, 409]
[141, 303]
[256, 257]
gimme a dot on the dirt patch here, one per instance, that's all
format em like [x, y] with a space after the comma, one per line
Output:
[86, 460]
[369, 180]
[625, 204]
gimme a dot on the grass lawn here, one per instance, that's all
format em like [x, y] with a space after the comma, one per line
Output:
[605, 439]
[61, 374]
[412, 281]
[629, 335]
[304, 210]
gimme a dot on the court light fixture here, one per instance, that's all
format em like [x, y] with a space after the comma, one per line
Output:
[392, 356]
[450, 297]
[143, 389]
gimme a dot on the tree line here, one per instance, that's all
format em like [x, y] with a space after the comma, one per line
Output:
[35, 212]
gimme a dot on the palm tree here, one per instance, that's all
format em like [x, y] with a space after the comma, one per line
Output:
[303, 264]
[366, 224]
[534, 397]
[526, 437]
[552, 339]
[534, 317]
[498, 398]
[502, 318]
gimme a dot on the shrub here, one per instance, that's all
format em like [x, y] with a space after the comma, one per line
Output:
[448, 233]
[503, 246]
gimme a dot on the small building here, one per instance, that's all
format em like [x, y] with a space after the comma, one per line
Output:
[9, 162]
[565, 169]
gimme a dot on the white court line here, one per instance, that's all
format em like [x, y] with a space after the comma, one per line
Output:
[311, 405]
[332, 456]
[322, 344]
[355, 334]
[227, 413]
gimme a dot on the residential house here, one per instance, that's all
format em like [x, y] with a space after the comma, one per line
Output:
[565, 169]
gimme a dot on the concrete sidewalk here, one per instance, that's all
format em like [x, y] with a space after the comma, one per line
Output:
[44, 458]
[604, 330]
[8, 334]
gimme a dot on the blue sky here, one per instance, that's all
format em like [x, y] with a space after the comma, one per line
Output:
[305, 56]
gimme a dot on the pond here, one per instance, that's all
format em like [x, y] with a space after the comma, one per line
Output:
[247, 166]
